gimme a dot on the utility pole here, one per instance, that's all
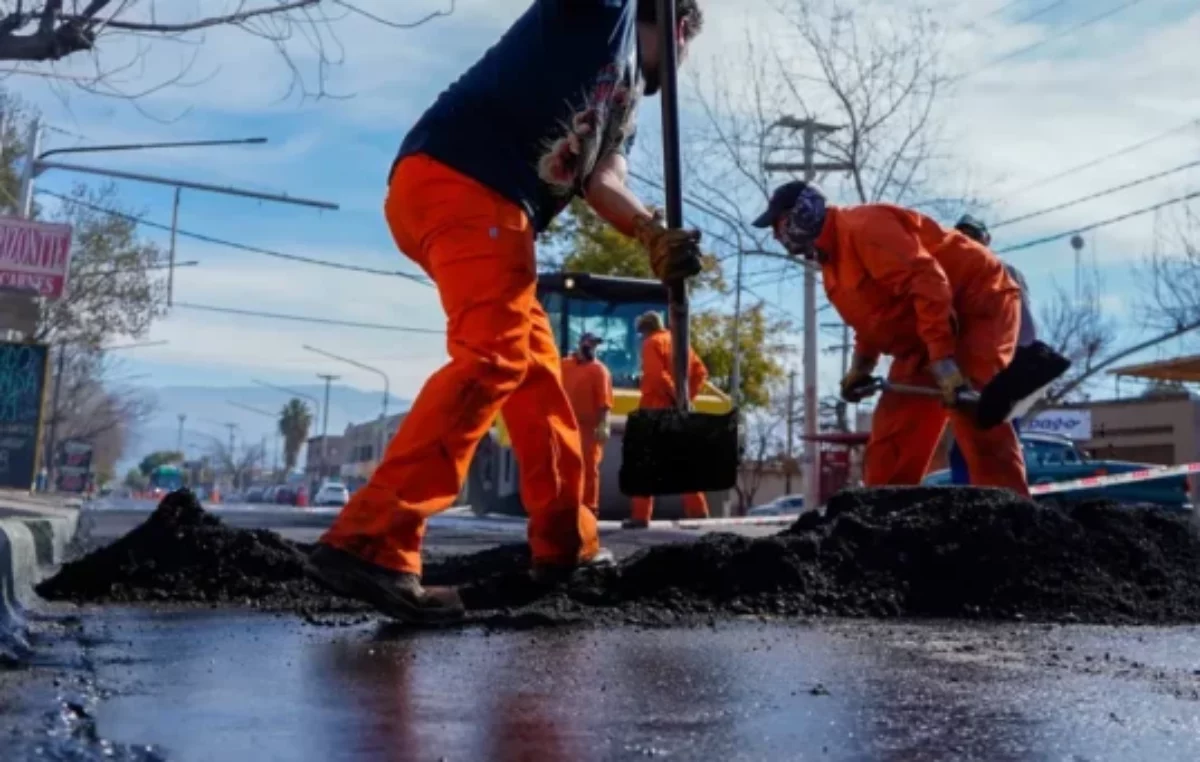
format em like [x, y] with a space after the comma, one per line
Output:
[381, 440]
[810, 130]
[791, 418]
[735, 380]
[329, 379]
[179, 439]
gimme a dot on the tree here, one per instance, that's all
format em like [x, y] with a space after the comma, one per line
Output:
[1075, 325]
[764, 446]
[304, 33]
[234, 466]
[763, 347]
[136, 480]
[295, 420]
[159, 458]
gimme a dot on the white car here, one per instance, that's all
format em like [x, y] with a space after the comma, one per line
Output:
[332, 493]
[781, 506]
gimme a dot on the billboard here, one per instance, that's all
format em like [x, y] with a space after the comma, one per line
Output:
[74, 469]
[22, 388]
[35, 257]
[1076, 424]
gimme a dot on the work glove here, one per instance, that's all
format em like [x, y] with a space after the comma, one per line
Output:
[603, 432]
[856, 386]
[950, 380]
[674, 254]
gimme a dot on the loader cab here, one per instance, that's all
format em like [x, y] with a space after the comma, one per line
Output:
[609, 307]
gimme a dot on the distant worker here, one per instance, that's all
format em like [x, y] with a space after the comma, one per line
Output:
[658, 391]
[589, 388]
[548, 114]
[977, 231]
[940, 304]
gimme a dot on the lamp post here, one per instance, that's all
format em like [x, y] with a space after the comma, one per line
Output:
[387, 393]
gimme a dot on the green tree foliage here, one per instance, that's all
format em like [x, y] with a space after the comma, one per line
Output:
[136, 480]
[295, 419]
[579, 241]
[160, 458]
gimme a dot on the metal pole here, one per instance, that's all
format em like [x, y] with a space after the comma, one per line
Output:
[329, 379]
[52, 466]
[179, 440]
[677, 295]
[810, 344]
[174, 230]
[387, 393]
[29, 171]
[735, 381]
[791, 417]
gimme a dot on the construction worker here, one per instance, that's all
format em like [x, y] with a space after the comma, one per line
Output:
[589, 388]
[940, 304]
[977, 231]
[657, 392]
[546, 115]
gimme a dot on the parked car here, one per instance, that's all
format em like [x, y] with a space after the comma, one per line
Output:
[268, 495]
[332, 493]
[255, 494]
[285, 495]
[1051, 458]
[780, 506]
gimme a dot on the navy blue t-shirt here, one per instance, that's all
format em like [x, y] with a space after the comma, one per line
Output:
[544, 104]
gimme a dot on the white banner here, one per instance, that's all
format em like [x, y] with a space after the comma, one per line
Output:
[1076, 424]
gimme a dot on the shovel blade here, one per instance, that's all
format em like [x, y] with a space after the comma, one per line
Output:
[668, 452]
[1014, 389]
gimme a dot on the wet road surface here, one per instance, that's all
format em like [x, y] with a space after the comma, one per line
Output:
[231, 686]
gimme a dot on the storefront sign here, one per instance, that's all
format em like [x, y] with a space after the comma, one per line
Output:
[1076, 424]
[22, 382]
[35, 257]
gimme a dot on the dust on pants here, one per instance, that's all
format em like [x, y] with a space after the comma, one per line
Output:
[695, 506]
[906, 428]
[478, 248]
[588, 384]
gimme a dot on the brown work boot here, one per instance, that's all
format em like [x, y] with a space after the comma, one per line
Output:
[635, 524]
[396, 594]
[556, 574]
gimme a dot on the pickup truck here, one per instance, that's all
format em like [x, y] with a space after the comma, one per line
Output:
[1052, 458]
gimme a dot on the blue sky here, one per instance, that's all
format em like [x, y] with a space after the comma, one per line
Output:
[1080, 96]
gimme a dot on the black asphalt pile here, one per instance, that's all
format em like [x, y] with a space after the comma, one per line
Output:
[961, 553]
[183, 554]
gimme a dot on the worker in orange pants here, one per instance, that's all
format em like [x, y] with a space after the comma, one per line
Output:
[658, 391]
[589, 388]
[484, 170]
[942, 305]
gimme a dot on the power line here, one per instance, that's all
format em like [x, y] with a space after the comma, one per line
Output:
[307, 319]
[1098, 194]
[1065, 33]
[233, 244]
[1102, 223]
[1102, 159]
[1040, 11]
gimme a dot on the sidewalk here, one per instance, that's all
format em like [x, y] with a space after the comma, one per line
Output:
[34, 533]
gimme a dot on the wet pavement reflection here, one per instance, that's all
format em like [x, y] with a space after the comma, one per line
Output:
[230, 686]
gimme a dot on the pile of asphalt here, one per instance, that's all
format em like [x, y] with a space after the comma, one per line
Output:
[917, 552]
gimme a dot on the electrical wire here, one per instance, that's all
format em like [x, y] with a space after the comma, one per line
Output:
[306, 319]
[1098, 194]
[1101, 224]
[235, 245]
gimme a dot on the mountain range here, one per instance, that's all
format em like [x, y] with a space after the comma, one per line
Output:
[255, 416]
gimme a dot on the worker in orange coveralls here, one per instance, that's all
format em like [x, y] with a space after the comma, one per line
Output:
[546, 115]
[658, 391]
[589, 388]
[940, 304]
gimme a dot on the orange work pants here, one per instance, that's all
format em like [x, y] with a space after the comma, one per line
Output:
[593, 453]
[906, 428]
[695, 506]
[478, 248]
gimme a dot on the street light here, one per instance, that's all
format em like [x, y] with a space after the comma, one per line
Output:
[387, 387]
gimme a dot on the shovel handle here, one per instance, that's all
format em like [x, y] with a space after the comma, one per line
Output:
[881, 384]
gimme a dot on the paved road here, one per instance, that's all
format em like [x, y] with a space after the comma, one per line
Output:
[229, 685]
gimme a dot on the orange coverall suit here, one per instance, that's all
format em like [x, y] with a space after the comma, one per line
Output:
[478, 247]
[920, 293]
[589, 388]
[658, 391]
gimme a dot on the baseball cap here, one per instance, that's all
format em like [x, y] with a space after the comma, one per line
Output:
[782, 200]
[590, 338]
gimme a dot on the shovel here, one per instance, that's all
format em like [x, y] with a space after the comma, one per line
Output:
[676, 450]
[1010, 394]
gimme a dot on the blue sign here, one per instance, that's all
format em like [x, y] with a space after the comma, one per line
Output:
[22, 387]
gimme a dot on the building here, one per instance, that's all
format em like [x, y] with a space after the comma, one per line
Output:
[324, 458]
[363, 444]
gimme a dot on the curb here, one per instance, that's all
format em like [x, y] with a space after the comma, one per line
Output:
[33, 540]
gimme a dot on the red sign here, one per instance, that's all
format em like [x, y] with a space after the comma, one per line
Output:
[35, 257]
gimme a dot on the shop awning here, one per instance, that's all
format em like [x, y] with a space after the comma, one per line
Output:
[1185, 369]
